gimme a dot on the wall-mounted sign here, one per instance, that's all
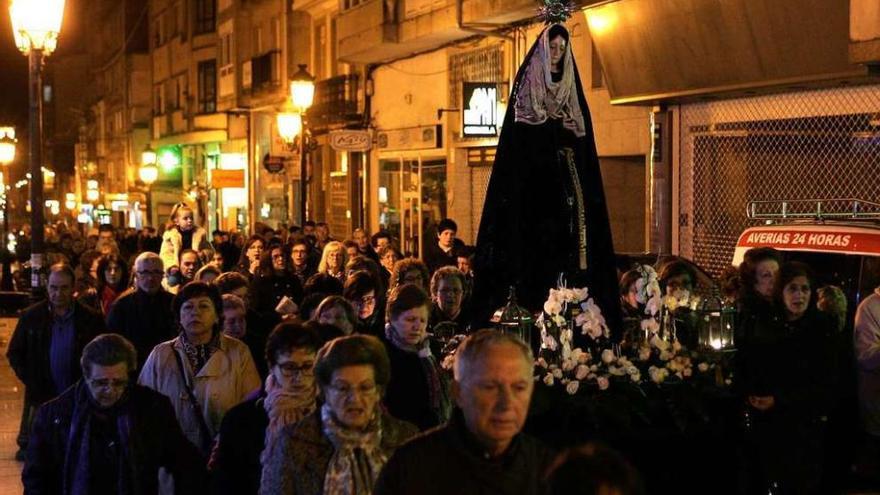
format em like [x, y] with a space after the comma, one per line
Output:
[480, 104]
[351, 140]
[273, 164]
[222, 179]
[411, 138]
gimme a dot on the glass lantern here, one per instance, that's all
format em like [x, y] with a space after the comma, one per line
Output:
[514, 319]
[716, 323]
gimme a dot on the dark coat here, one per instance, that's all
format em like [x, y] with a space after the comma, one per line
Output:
[435, 258]
[154, 440]
[406, 395]
[266, 291]
[298, 464]
[143, 319]
[28, 351]
[795, 363]
[235, 462]
[448, 459]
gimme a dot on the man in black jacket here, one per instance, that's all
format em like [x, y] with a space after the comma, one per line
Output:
[482, 449]
[107, 434]
[143, 314]
[47, 342]
[442, 253]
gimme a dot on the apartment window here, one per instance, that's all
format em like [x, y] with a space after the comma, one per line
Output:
[206, 16]
[208, 86]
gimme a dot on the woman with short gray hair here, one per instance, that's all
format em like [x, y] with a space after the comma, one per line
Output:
[340, 448]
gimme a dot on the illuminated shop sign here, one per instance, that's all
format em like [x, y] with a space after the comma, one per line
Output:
[480, 104]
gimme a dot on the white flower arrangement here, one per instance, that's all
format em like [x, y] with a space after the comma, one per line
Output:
[656, 360]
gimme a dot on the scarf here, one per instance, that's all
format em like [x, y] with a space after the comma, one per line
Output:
[539, 98]
[438, 395]
[357, 456]
[283, 408]
[198, 355]
[77, 466]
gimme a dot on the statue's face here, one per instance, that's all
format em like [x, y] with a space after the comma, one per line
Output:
[557, 49]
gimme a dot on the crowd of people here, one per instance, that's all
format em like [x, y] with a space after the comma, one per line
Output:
[291, 362]
[284, 362]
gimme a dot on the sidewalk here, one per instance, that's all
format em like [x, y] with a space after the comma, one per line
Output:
[11, 398]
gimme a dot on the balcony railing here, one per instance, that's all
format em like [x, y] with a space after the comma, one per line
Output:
[336, 101]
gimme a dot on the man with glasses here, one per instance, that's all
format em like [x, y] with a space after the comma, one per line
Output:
[143, 314]
[303, 267]
[46, 343]
[107, 434]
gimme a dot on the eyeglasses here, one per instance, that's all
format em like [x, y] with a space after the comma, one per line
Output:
[290, 369]
[346, 390]
[108, 383]
[366, 301]
[150, 273]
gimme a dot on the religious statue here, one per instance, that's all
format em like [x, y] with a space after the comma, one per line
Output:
[545, 212]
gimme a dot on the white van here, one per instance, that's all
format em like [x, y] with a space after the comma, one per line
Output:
[839, 239]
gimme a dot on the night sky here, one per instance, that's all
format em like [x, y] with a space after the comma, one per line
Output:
[13, 66]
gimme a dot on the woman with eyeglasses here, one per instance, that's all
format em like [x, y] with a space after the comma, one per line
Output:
[362, 291]
[287, 396]
[419, 390]
[342, 446]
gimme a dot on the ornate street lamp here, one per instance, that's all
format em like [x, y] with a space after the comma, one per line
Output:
[35, 26]
[302, 94]
[7, 156]
[148, 174]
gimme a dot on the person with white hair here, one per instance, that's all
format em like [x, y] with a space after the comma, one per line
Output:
[482, 449]
[142, 314]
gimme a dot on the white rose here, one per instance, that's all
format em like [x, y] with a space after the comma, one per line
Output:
[568, 365]
[608, 356]
[582, 372]
[644, 353]
[703, 367]
[576, 354]
[558, 320]
[636, 377]
[650, 325]
[541, 362]
[594, 368]
[584, 358]
[666, 355]
[572, 387]
[548, 380]
[557, 373]
[603, 383]
[632, 370]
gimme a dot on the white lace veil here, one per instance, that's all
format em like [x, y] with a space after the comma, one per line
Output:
[539, 98]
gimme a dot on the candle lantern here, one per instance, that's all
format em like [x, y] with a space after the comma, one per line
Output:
[512, 318]
[716, 323]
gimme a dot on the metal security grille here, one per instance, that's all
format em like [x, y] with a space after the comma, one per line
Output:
[481, 65]
[806, 145]
[480, 162]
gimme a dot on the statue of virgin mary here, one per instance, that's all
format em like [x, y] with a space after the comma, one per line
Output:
[545, 214]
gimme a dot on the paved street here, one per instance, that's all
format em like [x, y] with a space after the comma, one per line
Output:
[11, 397]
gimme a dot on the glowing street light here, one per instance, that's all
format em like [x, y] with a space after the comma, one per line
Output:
[302, 94]
[302, 89]
[289, 124]
[35, 26]
[7, 145]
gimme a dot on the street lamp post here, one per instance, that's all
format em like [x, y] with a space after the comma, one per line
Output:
[35, 25]
[302, 94]
[148, 174]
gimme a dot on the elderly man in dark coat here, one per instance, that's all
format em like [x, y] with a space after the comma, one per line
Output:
[482, 449]
[143, 314]
[47, 343]
[107, 434]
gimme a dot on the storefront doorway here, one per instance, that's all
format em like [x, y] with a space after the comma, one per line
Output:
[412, 199]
